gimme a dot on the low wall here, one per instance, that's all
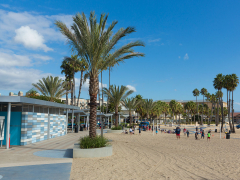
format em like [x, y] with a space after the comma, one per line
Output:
[114, 131]
[91, 153]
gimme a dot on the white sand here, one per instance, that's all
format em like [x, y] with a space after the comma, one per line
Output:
[162, 156]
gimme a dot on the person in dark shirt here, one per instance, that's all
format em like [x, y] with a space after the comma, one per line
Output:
[202, 134]
[178, 132]
[187, 133]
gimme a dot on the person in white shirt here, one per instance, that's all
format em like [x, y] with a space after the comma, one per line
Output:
[130, 130]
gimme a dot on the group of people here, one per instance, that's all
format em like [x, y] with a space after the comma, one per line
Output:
[185, 131]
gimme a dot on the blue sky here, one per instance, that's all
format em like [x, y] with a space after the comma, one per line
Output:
[187, 44]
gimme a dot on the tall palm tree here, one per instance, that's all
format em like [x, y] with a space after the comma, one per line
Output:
[130, 104]
[218, 84]
[234, 83]
[83, 67]
[70, 66]
[173, 106]
[97, 44]
[219, 96]
[227, 86]
[179, 111]
[196, 94]
[165, 110]
[117, 95]
[148, 105]
[52, 87]
[192, 108]
[187, 108]
[208, 96]
[203, 93]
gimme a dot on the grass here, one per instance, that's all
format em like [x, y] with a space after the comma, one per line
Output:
[117, 128]
[97, 142]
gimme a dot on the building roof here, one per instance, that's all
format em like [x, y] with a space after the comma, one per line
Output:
[26, 100]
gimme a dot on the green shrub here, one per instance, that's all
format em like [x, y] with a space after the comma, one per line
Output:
[97, 142]
[117, 128]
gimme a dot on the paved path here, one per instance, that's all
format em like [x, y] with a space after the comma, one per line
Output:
[49, 159]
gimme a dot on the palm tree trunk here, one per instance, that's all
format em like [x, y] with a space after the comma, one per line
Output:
[233, 128]
[130, 116]
[80, 87]
[217, 109]
[109, 90]
[93, 91]
[71, 86]
[74, 96]
[222, 112]
[197, 106]
[102, 93]
[212, 113]
[202, 111]
[116, 116]
[229, 111]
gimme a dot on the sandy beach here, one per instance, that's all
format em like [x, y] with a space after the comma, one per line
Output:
[162, 156]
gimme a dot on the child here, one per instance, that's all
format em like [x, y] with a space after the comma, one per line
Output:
[196, 135]
[187, 133]
[208, 135]
[139, 130]
[202, 135]
[156, 130]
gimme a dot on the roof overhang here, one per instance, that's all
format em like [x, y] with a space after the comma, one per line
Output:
[26, 100]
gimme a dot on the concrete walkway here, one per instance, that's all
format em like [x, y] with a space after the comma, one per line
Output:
[49, 159]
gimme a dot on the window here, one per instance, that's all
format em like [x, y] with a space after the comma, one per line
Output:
[16, 107]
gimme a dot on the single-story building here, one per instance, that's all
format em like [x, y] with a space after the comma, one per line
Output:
[27, 120]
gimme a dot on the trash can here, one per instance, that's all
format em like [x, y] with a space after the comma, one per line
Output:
[215, 130]
[229, 131]
[81, 128]
[227, 136]
[76, 129]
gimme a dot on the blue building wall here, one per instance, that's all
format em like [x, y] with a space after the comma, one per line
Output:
[15, 127]
[35, 127]
[30, 127]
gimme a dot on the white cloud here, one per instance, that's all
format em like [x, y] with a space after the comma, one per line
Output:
[19, 79]
[10, 60]
[154, 40]
[38, 56]
[162, 44]
[237, 103]
[179, 57]
[43, 24]
[5, 5]
[180, 44]
[30, 38]
[131, 88]
[175, 89]
[85, 86]
[186, 57]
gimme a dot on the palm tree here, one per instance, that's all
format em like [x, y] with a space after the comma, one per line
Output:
[52, 87]
[179, 111]
[165, 109]
[218, 84]
[227, 86]
[234, 83]
[83, 67]
[117, 95]
[208, 96]
[213, 100]
[192, 108]
[148, 105]
[70, 66]
[196, 93]
[219, 96]
[98, 45]
[130, 104]
[173, 106]
[187, 108]
[203, 93]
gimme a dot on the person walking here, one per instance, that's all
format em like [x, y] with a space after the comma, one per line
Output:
[178, 133]
[139, 130]
[202, 134]
[187, 133]
[156, 130]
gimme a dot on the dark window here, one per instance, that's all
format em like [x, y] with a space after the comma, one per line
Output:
[16, 108]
